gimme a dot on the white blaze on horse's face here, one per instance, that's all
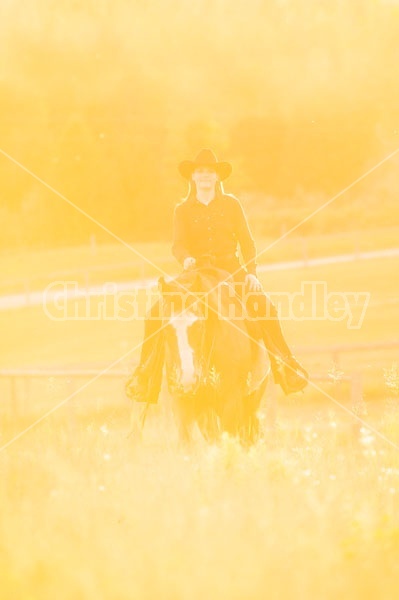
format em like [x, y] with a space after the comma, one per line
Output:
[181, 324]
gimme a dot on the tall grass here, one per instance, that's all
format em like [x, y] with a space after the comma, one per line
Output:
[309, 512]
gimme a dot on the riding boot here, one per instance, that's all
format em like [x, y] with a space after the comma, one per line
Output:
[145, 383]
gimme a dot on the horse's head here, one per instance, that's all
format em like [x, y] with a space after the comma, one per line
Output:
[184, 315]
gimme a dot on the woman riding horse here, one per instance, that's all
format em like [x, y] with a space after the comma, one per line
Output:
[212, 224]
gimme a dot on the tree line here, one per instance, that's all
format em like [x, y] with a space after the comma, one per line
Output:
[101, 100]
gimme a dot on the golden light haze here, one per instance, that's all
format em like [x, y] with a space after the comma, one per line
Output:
[103, 99]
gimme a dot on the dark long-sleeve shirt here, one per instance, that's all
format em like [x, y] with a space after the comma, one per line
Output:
[215, 229]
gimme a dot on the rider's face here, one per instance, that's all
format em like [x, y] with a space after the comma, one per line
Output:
[205, 178]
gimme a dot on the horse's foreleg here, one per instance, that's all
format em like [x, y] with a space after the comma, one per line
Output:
[232, 412]
[138, 416]
[185, 437]
[208, 424]
[250, 429]
[184, 417]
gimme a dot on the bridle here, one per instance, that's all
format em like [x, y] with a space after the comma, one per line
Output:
[204, 367]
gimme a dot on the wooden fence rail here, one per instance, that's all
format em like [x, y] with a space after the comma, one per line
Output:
[72, 375]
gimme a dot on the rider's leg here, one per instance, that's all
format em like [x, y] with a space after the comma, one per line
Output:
[152, 324]
[145, 383]
[287, 370]
[260, 307]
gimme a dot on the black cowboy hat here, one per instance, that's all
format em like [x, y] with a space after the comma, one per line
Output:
[205, 158]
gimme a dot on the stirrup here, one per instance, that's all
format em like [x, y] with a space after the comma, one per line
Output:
[290, 374]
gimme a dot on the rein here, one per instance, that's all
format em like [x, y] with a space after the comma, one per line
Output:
[208, 360]
[205, 364]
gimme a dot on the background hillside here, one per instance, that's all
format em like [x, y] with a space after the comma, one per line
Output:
[102, 99]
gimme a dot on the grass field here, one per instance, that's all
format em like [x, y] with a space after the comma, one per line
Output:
[307, 513]
[311, 511]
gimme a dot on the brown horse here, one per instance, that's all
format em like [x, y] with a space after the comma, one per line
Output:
[216, 369]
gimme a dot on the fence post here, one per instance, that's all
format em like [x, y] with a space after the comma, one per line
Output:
[304, 244]
[356, 402]
[13, 394]
[335, 358]
[93, 245]
[71, 408]
[271, 404]
[26, 394]
[356, 245]
[357, 391]
[27, 291]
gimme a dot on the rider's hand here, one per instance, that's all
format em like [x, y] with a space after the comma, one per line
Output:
[189, 263]
[252, 283]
